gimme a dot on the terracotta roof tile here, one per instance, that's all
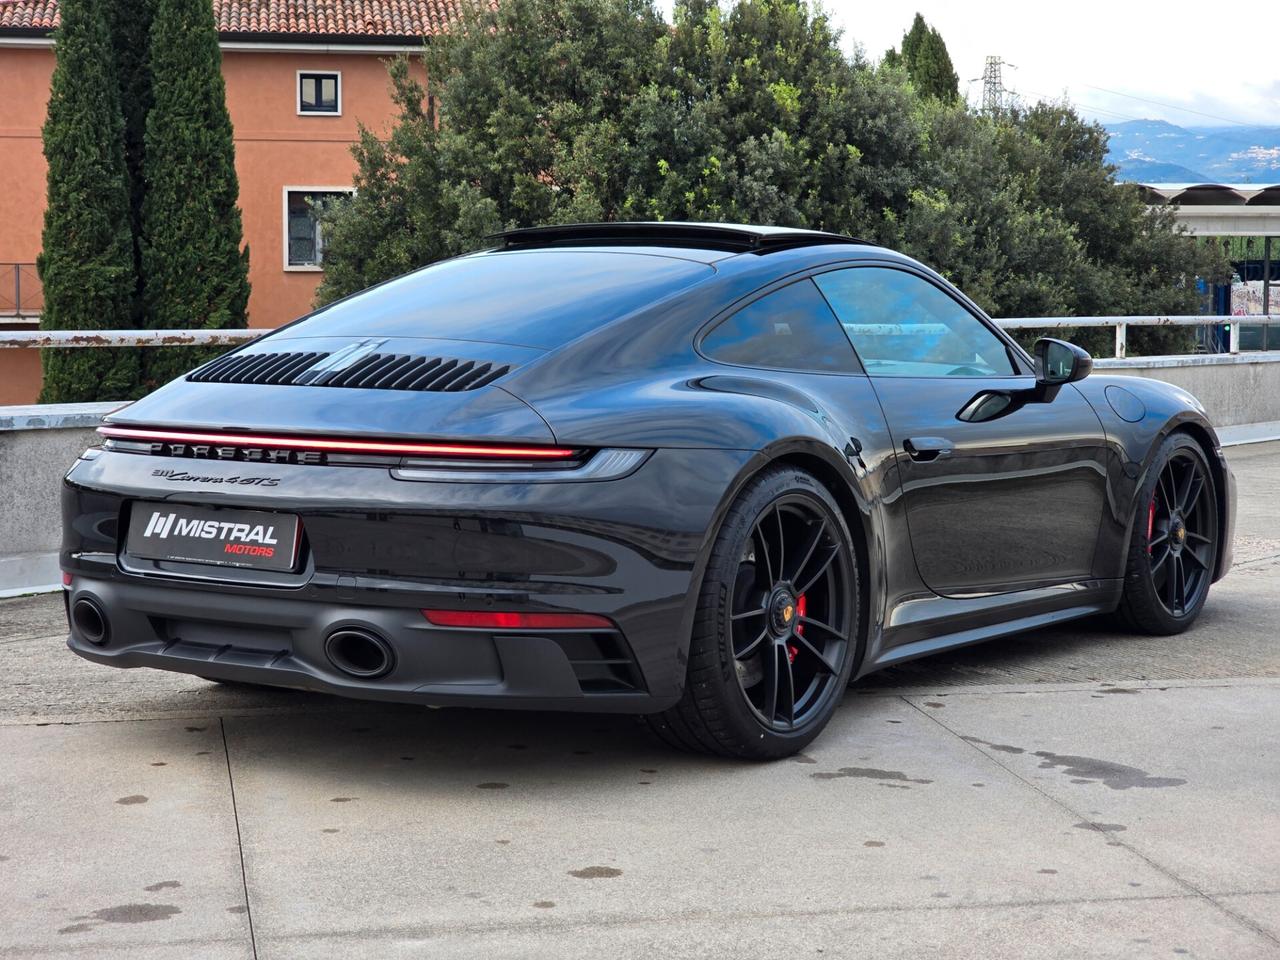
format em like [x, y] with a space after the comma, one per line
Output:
[28, 14]
[315, 18]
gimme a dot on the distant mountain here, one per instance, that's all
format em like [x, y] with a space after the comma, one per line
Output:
[1153, 171]
[1154, 151]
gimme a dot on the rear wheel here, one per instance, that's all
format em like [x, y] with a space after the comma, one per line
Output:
[1174, 542]
[774, 639]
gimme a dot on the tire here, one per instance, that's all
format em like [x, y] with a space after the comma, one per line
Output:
[765, 601]
[1167, 575]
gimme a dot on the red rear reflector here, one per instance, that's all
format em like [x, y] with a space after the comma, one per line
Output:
[66, 578]
[459, 450]
[504, 620]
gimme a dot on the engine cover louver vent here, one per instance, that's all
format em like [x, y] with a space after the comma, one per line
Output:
[374, 371]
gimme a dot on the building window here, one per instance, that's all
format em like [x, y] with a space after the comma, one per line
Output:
[319, 93]
[303, 234]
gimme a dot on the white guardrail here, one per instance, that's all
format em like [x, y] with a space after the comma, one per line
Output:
[1122, 325]
[35, 339]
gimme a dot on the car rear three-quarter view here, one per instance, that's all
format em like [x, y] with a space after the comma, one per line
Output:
[708, 474]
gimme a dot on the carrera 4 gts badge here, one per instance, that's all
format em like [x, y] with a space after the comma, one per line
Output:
[183, 476]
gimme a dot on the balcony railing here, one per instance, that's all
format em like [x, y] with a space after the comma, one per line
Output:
[21, 295]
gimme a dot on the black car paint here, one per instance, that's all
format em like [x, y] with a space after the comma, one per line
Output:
[633, 549]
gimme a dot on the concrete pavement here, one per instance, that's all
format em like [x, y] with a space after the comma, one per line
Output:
[1073, 792]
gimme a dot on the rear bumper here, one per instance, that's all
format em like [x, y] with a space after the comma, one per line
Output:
[380, 550]
[281, 642]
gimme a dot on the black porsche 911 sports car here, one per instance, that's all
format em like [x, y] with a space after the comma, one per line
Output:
[704, 473]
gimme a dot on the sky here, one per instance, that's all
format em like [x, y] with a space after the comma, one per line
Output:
[1116, 61]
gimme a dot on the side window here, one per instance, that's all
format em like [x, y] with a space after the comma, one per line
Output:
[792, 328]
[904, 326]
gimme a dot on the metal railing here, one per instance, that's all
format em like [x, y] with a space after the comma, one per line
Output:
[21, 293]
[176, 338]
[1122, 325]
[35, 339]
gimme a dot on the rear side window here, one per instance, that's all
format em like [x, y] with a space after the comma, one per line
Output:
[904, 326]
[788, 329]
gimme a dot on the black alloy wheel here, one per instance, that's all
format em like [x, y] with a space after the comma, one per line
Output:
[776, 633]
[1182, 529]
[791, 614]
[1174, 543]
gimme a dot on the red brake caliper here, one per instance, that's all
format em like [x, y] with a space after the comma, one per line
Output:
[1151, 522]
[801, 606]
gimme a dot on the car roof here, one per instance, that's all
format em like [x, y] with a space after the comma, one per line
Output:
[726, 238]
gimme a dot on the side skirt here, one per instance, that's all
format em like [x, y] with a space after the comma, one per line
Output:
[940, 623]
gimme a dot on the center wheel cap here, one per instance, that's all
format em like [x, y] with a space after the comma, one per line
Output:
[782, 612]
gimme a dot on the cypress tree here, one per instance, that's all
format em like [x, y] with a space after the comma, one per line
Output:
[86, 264]
[924, 54]
[129, 22]
[913, 40]
[932, 72]
[194, 272]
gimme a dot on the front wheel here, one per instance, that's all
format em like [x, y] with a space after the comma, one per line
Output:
[775, 636]
[1174, 542]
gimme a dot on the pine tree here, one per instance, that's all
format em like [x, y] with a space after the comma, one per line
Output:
[86, 264]
[194, 272]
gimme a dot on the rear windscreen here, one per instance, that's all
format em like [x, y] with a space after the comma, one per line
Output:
[535, 298]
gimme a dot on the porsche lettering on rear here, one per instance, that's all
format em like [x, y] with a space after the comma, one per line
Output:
[207, 451]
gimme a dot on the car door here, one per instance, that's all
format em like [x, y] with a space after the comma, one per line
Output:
[1001, 492]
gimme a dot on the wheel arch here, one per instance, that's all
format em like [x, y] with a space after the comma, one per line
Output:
[859, 532]
[1207, 440]
[830, 469]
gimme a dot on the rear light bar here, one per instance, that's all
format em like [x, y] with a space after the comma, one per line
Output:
[455, 450]
[509, 620]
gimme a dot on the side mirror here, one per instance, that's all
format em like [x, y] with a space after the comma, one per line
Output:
[1058, 362]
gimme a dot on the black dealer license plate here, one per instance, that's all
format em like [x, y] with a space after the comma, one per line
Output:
[230, 538]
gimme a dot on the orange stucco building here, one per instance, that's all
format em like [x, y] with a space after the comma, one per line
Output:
[301, 76]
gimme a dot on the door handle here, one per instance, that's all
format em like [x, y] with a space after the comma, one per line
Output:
[927, 449]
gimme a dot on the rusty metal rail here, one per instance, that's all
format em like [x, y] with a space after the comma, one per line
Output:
[125, 338]
[36, 339]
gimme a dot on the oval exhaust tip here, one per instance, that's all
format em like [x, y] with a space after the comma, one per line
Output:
[359, 653]
[89, 621]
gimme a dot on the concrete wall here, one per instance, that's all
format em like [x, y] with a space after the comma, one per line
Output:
[37, 447]
[38, 444]
[1235, 389]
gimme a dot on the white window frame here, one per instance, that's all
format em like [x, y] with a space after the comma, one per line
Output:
[284, 225]
[297, 93]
